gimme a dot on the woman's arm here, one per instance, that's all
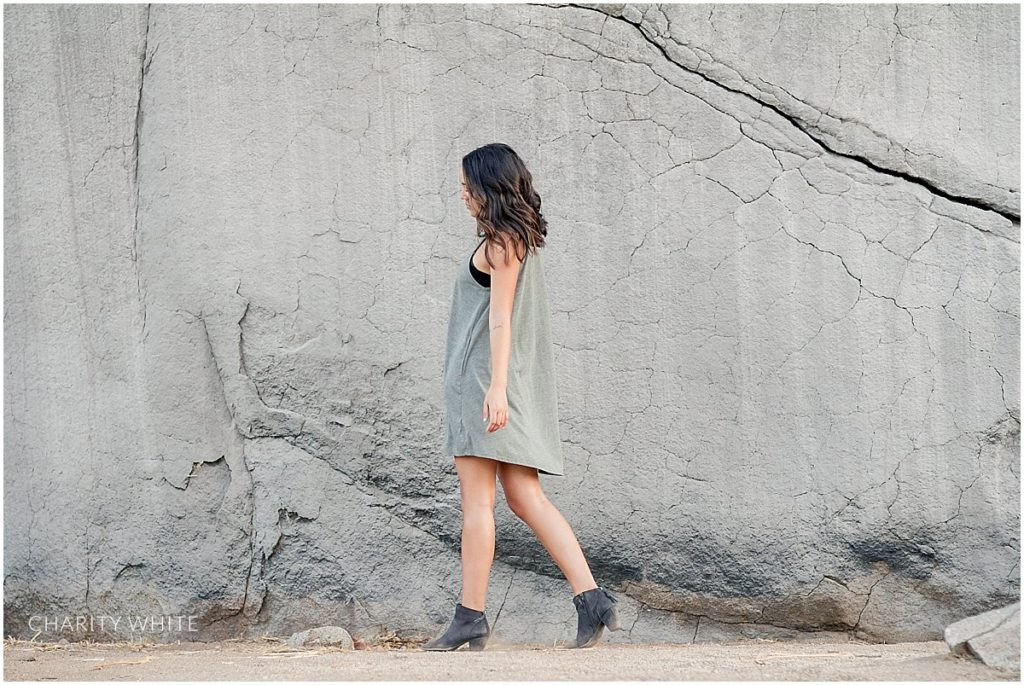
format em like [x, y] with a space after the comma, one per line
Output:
[504, 275]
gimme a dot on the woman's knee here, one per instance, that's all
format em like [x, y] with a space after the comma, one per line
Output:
[477, 508]
[526, 504]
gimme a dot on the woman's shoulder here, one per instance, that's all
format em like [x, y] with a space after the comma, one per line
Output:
[516, 248]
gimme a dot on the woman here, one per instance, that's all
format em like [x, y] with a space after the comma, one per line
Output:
[501, 416]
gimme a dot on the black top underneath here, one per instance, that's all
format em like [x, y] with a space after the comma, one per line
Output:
[482, 278]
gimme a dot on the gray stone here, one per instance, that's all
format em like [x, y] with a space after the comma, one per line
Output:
[993, 637]
[333, 636]
[787, 386]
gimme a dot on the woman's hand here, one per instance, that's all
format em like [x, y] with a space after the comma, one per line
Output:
[496, 408]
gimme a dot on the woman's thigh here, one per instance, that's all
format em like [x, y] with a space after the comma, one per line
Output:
[476, 481]
[521, 485]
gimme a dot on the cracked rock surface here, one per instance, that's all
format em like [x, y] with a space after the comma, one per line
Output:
[784, 269]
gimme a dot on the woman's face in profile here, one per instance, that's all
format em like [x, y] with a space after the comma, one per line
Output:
[466, 198]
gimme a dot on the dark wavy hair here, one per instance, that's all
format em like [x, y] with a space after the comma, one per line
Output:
[502, 187]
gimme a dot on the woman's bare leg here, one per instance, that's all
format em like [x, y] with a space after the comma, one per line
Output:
[527, 500]
[477, 486]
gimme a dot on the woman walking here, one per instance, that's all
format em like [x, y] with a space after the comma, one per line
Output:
[501, 418]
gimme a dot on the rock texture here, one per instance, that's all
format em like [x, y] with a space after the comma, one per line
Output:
[993, 637]
[784, 266]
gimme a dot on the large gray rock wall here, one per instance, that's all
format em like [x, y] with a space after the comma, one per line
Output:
[784, 270]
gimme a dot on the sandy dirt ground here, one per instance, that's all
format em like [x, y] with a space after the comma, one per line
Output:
[269, 659]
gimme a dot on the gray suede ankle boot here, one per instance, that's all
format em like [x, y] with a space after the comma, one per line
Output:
[595, 609]
[469, 625]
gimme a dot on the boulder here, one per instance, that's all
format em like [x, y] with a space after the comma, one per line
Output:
[333, 636]
[993, 637]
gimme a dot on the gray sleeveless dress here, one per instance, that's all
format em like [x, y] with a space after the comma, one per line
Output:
[531, 436]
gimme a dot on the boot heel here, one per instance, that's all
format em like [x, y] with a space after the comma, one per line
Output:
[477, 643]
